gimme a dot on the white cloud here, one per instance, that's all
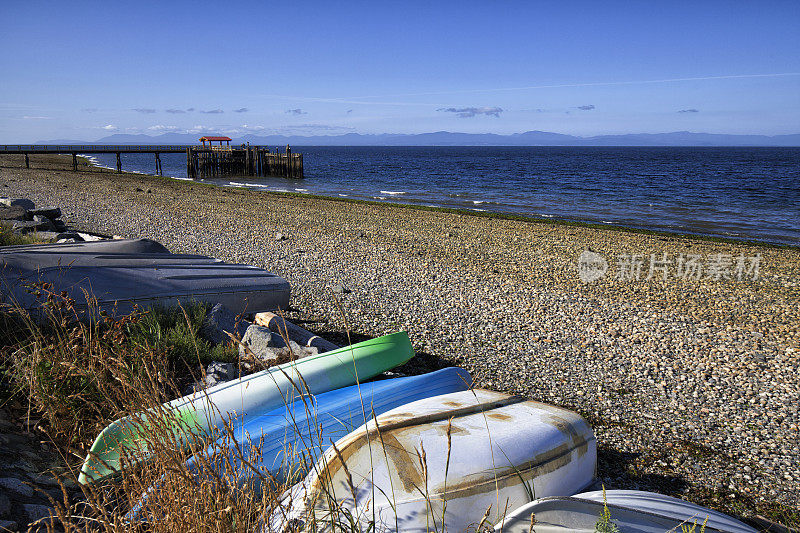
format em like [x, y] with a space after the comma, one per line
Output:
[202, 129]
[164, 129]
[27, 117]
[110, 127]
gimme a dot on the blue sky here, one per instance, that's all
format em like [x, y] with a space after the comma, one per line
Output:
[81, 70]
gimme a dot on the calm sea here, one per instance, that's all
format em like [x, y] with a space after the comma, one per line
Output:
[748, 193]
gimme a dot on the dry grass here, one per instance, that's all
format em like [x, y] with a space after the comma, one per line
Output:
[70, 378]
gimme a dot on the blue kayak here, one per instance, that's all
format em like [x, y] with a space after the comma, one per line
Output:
[281, 445]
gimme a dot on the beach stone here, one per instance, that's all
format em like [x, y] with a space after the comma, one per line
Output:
[259, 340]
[286, 353]
[47, 212]
[219, 320]
[88, 237]
[24, 226]
[45, 222]
[219, 372]
[36, 511]
[21, 202]
[14, 212]
[341, 289]
[17, 486]
[269, 347]
[43, 480]
[280, 236]
[47, 235]
[59, 224]
[69, 235]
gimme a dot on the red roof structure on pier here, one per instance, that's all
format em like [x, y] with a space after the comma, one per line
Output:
[214, 138]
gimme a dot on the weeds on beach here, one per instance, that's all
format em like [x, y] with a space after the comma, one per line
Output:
[9, 237]
[68, 378]
[604, 523]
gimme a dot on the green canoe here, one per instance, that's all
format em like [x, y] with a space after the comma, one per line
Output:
[206, 411]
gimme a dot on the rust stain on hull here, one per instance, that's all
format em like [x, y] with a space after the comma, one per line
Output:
[388, 433]
[540, 465]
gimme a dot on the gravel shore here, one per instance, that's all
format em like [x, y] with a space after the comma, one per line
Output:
[691, 384]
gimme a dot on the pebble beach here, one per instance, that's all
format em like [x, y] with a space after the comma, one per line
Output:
[682, 353]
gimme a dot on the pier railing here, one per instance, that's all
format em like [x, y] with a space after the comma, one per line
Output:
[89, 149]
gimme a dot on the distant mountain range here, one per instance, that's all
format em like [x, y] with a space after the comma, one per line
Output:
[446, 138]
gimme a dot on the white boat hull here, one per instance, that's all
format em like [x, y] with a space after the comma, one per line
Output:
[630, 511]
[443, 462]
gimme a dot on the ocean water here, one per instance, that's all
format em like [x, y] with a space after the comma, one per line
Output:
[747, 193]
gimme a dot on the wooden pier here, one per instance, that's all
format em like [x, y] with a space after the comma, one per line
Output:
[247, 161]
[201, 161]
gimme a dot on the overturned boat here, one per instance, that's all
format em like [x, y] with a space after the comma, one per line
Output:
[123, 443]
[280, 446]
[442, 463]
[117, 276]
[626, 511]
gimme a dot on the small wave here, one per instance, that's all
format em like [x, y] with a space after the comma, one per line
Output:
[476, 209]
[379, 197]
[545, 215]
[95, 161]
[237, 184]
[393, 193]
[182, 179]
[343, 195]
[301, 190]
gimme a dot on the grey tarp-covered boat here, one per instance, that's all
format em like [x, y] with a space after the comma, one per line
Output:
[121, 274]
[630, 511]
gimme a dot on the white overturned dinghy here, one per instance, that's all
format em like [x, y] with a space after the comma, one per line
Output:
[439, 464]
[631, 511]
[121, 274]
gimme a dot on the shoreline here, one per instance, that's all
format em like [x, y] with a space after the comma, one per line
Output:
[470, 212]
[690, 384]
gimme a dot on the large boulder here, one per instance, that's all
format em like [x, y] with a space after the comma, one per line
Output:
[22, 202]
[24, 226]
[47, 212]
[269, 347]
[12, 212]
[259, 341]
[44, 222]
[219, 320]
